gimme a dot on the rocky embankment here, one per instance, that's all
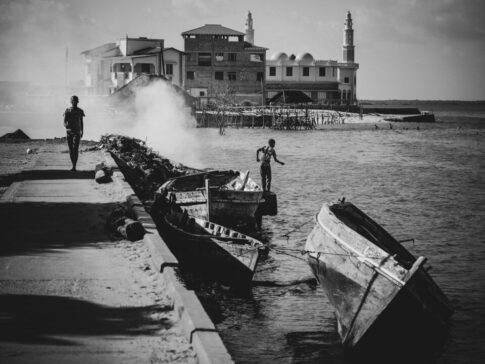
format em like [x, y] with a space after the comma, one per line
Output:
[144, 168]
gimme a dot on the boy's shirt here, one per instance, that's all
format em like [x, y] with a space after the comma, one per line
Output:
[72, 119]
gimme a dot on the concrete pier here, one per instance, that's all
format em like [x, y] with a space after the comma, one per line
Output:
[70, 294]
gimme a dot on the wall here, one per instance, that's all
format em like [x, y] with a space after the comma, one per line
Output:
[246, 70]
[130, 45]
[177, 59]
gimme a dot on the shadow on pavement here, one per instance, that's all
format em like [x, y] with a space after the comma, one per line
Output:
[37, 227]
[7, 179]
[55, 174]
[37, 319]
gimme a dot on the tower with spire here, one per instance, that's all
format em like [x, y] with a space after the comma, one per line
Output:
[249, 29]
[348, 45]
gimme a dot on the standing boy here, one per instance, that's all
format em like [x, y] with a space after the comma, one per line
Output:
[73, 122]
[265, 168]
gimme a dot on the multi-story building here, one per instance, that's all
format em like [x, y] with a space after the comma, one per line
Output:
[113, 65]
[220, 64]
[321, 80]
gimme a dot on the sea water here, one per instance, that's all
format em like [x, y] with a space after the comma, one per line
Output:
[426, 184]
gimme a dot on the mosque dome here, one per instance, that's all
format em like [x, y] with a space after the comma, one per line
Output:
[305, 58]
[279, 56]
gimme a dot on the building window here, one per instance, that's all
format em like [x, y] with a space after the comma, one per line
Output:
[272, 71]
[169, 69]
[122, 67]
[306, 71]
[219, 57]
[321, 71]
[260, 76]
[333, 71]
[346, 80]
[232, 57]
[190, 75]
[144, 68]
[231, 76]
[289, 71]
[219, 75]
[204, 59]
[256, 57]
[201, 93]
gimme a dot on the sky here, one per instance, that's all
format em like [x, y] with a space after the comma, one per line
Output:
[406, 49]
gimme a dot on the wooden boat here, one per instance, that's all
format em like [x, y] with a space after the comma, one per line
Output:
[234, 197]
[216, 251]
[382, 295]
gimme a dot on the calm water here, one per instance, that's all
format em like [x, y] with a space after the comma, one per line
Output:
[426, 184]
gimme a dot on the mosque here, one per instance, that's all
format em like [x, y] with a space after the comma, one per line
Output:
[323, 81]
[218, 61]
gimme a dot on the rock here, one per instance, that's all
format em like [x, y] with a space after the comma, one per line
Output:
[18, 134]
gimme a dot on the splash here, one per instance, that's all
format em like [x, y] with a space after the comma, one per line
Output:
[164, 121]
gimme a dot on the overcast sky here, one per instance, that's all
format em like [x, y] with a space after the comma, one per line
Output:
[407, 49]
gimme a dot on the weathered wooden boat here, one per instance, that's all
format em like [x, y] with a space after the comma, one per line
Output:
[215, 251]
[233, 196]
[382, 295]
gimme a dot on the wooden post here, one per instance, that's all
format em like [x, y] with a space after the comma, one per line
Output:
[208, 197]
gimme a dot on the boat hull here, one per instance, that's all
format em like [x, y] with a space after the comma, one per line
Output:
[378, 303]
[233, 200]
[227, 207]
[222, 261]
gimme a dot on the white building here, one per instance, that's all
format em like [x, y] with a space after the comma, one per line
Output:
[321, 80]
[113, 65]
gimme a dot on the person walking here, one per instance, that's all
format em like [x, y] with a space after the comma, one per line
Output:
[73, 122]
[265, 168]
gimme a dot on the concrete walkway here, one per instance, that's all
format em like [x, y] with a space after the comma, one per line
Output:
[68, 294]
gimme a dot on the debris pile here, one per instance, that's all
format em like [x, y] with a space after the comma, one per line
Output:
[145, 169]
[17, 135]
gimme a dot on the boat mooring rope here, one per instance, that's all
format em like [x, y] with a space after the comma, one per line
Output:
[304, 252]
[287, 234]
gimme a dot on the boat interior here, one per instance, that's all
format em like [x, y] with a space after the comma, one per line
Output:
[190, 225]
[194, 181]
[358, 221]
[183, 221]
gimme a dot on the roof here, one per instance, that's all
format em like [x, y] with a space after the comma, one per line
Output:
[175, 49]
[213, 29]
[251, 47]
[107, 47]
[147, 50]
[128, 91]
[112, 50]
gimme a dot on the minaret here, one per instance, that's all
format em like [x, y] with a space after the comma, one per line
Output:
[249, 29]
[348, 46]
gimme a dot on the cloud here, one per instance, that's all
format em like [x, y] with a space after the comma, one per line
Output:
[195, 8]
[34, 35]
[456, 20]
[421, 21]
